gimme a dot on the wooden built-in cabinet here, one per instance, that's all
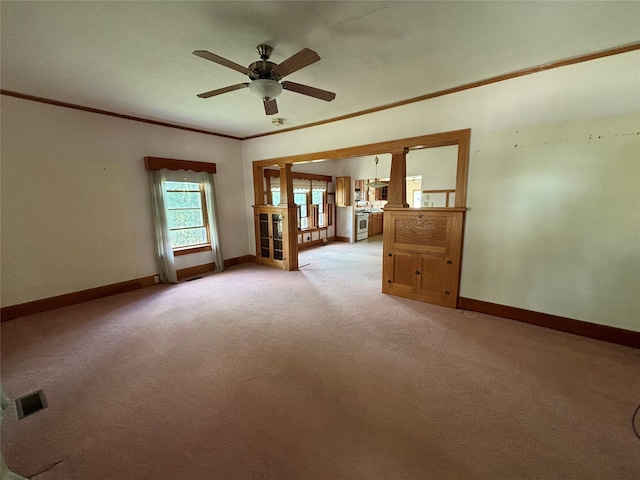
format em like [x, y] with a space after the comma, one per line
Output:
[381, 193]
[421, 256]
[343, 191]
[272, 244]
[376, 222]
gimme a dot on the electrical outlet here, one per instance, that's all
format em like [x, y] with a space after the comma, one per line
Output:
[156, 279]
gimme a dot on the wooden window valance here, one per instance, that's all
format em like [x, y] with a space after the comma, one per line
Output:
[157, 163]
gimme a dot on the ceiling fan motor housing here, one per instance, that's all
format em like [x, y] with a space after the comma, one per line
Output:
[264, 51]
[263, 70]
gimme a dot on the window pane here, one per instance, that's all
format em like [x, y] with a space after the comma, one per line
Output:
[316, 197]
[183, 200]
[185, 218]
[182, 186]
[300, 198]
[185, 238]
[275, 198]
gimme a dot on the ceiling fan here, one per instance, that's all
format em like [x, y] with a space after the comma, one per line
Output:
[265, 76]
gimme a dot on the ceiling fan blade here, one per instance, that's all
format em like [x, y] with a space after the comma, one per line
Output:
[223, 90]
[222, 61]
[270, 106]
[303, 58]
[310, 91]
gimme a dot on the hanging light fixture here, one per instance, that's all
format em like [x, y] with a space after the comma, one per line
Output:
[265, 88]
[376, 183]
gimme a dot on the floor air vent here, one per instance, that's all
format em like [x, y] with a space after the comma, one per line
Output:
[31, 403]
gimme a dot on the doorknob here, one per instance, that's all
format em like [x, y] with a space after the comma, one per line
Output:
[417, 272]
[449, 262]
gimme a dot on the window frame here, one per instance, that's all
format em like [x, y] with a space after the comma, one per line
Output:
[312, 208]
[200, 247]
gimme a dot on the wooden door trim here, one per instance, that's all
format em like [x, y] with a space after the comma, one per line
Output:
[442, 139]
[461, 138]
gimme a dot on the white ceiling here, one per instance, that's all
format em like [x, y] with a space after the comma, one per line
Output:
[135, 58]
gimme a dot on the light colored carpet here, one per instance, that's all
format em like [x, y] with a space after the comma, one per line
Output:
[256, 373]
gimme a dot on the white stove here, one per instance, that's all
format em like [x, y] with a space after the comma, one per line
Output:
[362, 226]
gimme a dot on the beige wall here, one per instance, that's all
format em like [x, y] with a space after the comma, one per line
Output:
[554, 220]
[551, 227]
[75, 198]
[552, 224]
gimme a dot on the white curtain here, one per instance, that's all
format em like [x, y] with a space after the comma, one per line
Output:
[212, 213]
[164, 251]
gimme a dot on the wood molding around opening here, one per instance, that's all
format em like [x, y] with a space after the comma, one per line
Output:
[158, 163]
[454, 137]
[461, 138]
[269, 172]
[596, 331]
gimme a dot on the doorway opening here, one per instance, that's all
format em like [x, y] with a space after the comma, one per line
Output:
[401, 152]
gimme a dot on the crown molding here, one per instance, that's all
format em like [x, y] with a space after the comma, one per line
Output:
[499, 78]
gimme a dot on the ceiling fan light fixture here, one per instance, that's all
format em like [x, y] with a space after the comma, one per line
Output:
[265, 88]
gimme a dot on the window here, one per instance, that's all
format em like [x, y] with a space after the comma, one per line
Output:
[275, 195]
[310, 197]
[319, 200]
[300, 198]
[183, 208]
[186, 215]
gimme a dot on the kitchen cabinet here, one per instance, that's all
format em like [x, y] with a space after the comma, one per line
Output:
[421, 256]
[272, 246]
[375, 223]
[381, 193]
[343, 191]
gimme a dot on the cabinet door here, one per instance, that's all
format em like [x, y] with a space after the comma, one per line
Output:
[265, 235]
[271, 236]
[343, 190]
[437, 282]
[277, 241]
[381, 193]
[435, 238]
[399, 272]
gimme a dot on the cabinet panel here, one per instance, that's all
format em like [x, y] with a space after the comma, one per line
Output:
[265, 236]
[381, 193]
[276, 233]
[375, 224]
[435, 280]
[400, 270]
[272, 247]
[433, 240]
[343, 191]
